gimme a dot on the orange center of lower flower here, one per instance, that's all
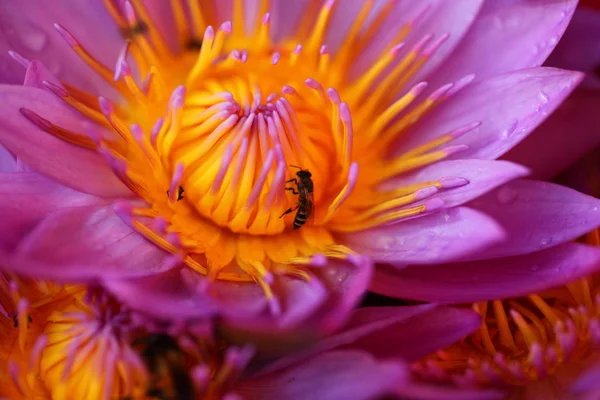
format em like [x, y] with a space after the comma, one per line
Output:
[521, 340]
[219, 136]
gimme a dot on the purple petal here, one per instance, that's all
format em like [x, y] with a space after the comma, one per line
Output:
[481, 175]
[26, 198]
[86, 243]
[35, 75]
[489, 279]
[579, 49]
[163, 295]
[510, 106]
[418, 336]
[548, 150]
[441, 237]
[507, 36]
[309, 310]
[8, 162]
[441, 17]
[27, 27]
[361, 324]
[536, 215]
[73, 166]
[423, 391]
[330, 376]
[588, 380]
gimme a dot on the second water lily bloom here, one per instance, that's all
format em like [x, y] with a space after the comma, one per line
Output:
[179, 146]
[78, 342]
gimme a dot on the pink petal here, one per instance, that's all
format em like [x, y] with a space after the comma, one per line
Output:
[27, 27]
[87, 243]
[73, 166]
[507, 36]
[330, 376]
[26, 198]
[489, 279]
[441, 17]
[536, 215]
[35, 75]
[510, 107]
[423, 391]
[309, 310]
[361, 324]
[418, 336]
[8, 162]
[548, 150]
[162, 295]
[441, 237]
[481, 175]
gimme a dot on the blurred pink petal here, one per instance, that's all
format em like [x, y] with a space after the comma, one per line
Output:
[489, 279]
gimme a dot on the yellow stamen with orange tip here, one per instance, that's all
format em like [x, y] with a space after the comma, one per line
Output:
[56, 344]
[525, 339]
[208, 137]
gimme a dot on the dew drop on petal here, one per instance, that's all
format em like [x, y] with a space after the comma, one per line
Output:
[543, 96]
[34, 39]
[545, 242]
[535, 268]
[506, 133]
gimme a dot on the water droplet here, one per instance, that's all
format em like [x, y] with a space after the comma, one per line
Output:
[545, 242]
[386, 242]
[535, 268]
[543, 96]
[506, 133]
[35, 41]
[553, 40]
[446, 217]
[506, 195]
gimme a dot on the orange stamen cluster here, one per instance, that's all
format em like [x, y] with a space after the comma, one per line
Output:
[525, 339]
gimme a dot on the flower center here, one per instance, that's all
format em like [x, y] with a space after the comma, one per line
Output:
[247, 151]
[525, 339]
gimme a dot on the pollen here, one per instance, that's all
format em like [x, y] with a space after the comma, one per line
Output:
[206, 132]
[546, 336]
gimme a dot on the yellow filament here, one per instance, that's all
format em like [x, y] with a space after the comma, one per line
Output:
[506, 337]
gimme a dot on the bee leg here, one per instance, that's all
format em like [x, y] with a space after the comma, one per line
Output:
[292, 189]
[292, 180]
[289, 210]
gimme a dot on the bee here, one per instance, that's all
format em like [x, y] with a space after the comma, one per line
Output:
[304, 190]
[167, 366]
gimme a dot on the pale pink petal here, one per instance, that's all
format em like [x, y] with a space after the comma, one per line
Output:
[507, 36]
[479, 176]
[26, 198]
[536, 215]
[87, 243]
[444, 236]
[509, 106]
[27, 27]
[73, 166]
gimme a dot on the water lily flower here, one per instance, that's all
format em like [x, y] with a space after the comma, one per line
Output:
[76, 342]
[167, 132]
[532, 345]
